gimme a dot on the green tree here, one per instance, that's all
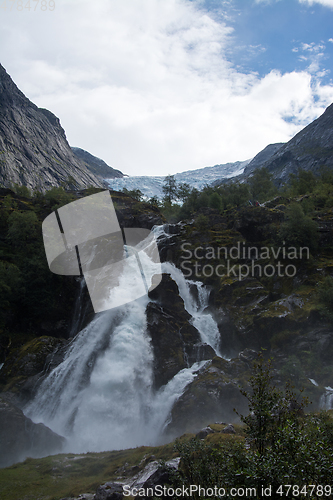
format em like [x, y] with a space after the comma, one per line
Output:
[154, 201]
[23, 228]
[57, 197]
[303, 182]
[134, 193]
[183, 191]
[170, 189]
[215, 201]
[263, 400]
[286, 446]
[22, 190]
[261, 185]
[10, 279]
[299, 229]
[325, 295]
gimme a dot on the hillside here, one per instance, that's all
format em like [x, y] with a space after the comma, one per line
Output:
[97, 166]
[34, 151]
[310, 150]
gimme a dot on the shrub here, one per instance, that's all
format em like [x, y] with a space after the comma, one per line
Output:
[325, 295]
[23, 228]
[202, 222]
[299, 229]
[286, 446]
[261, 185]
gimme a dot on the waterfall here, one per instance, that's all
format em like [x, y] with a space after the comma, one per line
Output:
[196, 307]
[326, 400]
[101, 396]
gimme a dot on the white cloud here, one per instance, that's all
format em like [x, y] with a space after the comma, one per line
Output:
[146, 85]
[314, 55]
[325, 3]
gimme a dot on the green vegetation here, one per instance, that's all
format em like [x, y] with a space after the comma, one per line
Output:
[134, 193]
[325, 294]
[299, 230]
[282, 445]
[69, 475]
[180, 201]
[29, 293]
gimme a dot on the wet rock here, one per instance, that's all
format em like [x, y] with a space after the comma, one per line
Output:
[176, 342]
[211, 396]
[248, 355]
[109, 491]
[24, 368]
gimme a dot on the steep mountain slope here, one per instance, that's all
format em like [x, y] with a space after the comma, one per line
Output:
[33, 147]
[310, 149]
[97, 166]
[262, 157]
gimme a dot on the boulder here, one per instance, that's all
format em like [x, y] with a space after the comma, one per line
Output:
[229, 429]
[109, 491]
[155, 474]
[204, 432]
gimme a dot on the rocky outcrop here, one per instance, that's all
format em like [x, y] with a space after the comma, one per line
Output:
[176, 342]
[24, 369]
[143, 484]
[310, 149]
[212, 396]
[262, 157]
[97, 166]
[21, 438]
[34, 151]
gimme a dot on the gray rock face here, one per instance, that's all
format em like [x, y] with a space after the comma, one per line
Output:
[144, 483]
[176, 342]
[311, 149]
[97, 166]
[33, 147]
[21, 438]
[262, 157]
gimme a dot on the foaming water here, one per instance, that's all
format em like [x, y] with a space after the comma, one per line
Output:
[101, 396]
[196, 307]
[326, 400]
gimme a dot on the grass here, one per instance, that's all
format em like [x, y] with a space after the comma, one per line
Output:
[69, 475]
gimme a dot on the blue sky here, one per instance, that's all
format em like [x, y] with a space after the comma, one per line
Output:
[156, 87]
[285, 35]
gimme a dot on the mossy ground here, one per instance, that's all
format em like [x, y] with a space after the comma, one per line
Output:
[69, 475]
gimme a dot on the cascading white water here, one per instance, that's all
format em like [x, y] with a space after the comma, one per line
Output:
[101, 397]
[201, 319]
[326, 400]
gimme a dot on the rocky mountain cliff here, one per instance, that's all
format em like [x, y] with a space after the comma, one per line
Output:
[310, 149]
[262, 157]
[33, 147]
[97, 166]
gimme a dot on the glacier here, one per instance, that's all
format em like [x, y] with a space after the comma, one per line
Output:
[153, 185]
